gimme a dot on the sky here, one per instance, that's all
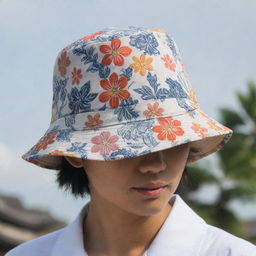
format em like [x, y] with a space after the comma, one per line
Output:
[216, 39]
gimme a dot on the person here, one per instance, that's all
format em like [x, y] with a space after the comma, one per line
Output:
[125, 123]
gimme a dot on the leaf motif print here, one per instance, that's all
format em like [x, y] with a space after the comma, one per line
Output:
[145, 42]
[183, 104]
[59, 89]
[70, 120]
[90, 57]
[173, 47]
[147, 93]
[176, 90]
[81, 99]
[126, 72]
[126, 110]
[59, 94]
[87, 53]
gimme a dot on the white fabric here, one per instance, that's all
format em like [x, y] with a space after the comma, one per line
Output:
[184, 233]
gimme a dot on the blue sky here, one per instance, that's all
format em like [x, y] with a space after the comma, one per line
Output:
[216, 39]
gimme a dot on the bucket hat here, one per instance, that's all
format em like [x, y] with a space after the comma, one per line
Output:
[123, 92]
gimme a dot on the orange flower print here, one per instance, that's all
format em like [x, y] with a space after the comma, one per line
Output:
[104, 143]
[169, 62]
[202, 113]
[193, 100]
[63, 63]
[56, 152]
[141, 65]
[90, 37]
[184, 70]
[226, 129]
[114, 52]
[202, 132]
[214, 126]
[76, 75]
[153, 110]
[114, 90]
[157, 30]
[60, 153]
[66, 47]
[169, 128]
[94, 121]
[45, 141]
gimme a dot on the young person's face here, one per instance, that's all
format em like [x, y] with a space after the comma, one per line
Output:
[114, 181]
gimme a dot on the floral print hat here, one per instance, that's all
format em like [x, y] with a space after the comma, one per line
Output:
[123, 92]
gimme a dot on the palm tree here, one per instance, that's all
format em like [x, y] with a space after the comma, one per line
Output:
[237, 165]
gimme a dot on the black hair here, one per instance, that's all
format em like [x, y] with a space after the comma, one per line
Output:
[76, 179]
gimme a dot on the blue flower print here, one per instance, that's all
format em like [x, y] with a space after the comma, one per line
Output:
[64, 135]
[125, 153]
[140, 132]
[80, 99]
[146, 42]
[79, 148]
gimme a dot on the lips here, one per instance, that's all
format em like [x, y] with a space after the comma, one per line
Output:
[152, 185]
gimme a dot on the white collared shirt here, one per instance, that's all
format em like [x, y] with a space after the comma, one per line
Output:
[184, 233]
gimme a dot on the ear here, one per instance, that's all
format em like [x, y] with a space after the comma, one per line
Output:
[76, 162]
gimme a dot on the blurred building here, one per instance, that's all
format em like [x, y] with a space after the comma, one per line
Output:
[18, 224]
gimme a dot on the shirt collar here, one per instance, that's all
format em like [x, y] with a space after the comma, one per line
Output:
[181, 233]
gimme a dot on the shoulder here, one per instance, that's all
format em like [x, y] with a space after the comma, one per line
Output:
[218, 242]
[39, 246]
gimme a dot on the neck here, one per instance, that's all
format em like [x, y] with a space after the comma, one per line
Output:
[110, 230]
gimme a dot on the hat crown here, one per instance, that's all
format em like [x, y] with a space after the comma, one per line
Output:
[120, 74]
[122, 92]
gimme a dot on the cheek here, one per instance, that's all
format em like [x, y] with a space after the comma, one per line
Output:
[105, 182]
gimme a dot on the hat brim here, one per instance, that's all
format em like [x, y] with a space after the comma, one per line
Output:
[132, 139]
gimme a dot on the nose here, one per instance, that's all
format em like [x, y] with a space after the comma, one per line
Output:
[153, 162]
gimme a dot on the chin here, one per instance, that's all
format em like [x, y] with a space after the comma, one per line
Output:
[151, 206]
